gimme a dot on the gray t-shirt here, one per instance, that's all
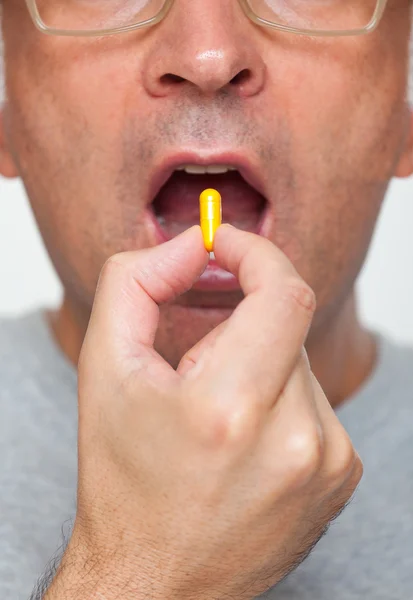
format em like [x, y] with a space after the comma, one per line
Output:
[367, 553]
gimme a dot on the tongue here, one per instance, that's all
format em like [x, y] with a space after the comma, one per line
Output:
[177, 204]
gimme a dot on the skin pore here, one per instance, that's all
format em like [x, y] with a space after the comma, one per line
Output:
[325, 120]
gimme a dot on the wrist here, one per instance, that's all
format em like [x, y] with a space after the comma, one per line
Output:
[89, 572]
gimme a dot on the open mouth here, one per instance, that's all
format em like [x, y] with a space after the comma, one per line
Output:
[176, 205]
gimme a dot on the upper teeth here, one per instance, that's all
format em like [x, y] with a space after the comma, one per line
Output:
[203, 170]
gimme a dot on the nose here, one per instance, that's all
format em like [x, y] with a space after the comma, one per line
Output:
[209, 45]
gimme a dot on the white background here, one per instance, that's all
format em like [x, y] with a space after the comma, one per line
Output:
[27, 279]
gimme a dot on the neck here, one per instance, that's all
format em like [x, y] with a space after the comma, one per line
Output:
[342, 353]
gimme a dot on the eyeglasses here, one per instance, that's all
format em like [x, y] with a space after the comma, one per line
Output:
[109, 17]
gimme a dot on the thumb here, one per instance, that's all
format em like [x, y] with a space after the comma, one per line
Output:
[131, 286]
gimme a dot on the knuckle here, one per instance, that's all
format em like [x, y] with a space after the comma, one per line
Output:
[345, 460]
[358, 471]
[345, 492]
[113, 263]
[228, 426]
[300, 295]
[305, 453]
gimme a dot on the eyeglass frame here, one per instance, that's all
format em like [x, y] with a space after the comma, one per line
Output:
[41, 26]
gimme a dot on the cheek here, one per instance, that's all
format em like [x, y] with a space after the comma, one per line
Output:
[344, 102]
[65, 124]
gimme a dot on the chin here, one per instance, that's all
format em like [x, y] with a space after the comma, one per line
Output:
[181, 327]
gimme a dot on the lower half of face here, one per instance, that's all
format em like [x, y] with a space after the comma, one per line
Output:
[321, 143]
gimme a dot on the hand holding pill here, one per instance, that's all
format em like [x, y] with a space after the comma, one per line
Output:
[213, 480]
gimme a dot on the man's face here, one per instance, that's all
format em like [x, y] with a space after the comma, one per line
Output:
[320, 124]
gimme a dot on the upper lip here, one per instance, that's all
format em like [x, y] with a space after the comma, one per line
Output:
[248, 169]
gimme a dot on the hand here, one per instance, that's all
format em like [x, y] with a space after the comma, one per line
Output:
[216, 479]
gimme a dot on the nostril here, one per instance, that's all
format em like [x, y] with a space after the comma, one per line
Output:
[171, 78]
[241, 77]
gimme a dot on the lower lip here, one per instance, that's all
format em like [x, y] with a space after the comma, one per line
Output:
[213, 279]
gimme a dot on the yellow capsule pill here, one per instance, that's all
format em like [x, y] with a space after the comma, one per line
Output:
[211, 216]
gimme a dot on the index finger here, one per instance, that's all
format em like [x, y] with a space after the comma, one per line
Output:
[264, 336]
[131, 287]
